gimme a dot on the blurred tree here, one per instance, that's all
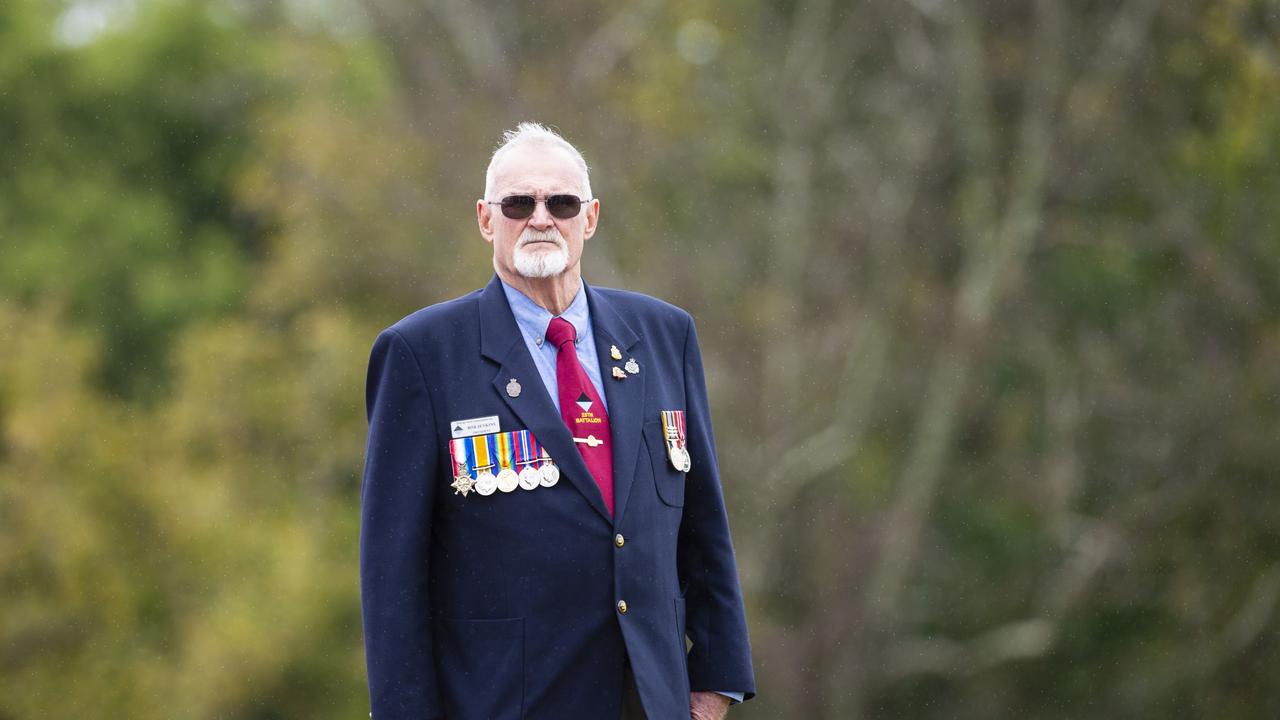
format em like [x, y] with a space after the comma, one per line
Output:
[122, 154]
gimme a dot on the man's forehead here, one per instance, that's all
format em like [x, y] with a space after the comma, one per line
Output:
[537, 168]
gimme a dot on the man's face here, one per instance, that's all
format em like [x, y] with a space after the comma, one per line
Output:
[540, 245]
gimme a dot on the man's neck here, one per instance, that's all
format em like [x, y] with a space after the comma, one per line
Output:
[553, 294]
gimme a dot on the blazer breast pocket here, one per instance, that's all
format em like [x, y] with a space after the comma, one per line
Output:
[669, 481]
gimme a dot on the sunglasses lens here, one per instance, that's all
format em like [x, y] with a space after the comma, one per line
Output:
[519, 207]
[564, 206]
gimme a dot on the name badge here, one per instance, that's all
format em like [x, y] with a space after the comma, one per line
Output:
[474, 426]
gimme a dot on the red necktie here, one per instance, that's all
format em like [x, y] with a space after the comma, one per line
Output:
[582, 410]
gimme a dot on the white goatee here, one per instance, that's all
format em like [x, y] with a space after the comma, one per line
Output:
[543, 262]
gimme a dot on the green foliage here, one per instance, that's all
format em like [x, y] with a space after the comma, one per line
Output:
[122, 156]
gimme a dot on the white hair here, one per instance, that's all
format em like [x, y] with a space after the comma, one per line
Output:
[532, 133]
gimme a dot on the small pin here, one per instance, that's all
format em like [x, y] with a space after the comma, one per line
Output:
[513, 388]
[617, 373]
[632, 366]
[614, 352]
[589, 441]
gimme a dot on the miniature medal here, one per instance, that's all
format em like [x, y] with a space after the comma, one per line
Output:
[673, 429]
[618, 374]
[462, 482]
[486, 483]
[549, 472]
[632, 366]
[527, 454]
[614, 353]
[463, 485]
[513, 388]
[507, 478]
[680, 459]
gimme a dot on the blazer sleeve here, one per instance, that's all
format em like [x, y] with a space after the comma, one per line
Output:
[720, 657]
[396, 504]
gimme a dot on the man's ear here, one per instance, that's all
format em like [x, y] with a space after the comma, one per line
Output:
[593, 217]
[484, 218]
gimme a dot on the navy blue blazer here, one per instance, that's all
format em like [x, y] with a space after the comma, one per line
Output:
[507, 605]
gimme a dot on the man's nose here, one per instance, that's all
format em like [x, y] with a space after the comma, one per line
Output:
[541, 219]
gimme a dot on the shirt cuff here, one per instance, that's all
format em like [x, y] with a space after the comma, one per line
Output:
[734, 697]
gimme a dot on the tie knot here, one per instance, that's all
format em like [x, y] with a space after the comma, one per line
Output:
[561, 331]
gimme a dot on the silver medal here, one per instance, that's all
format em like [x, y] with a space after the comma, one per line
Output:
[679, 458]
[486, 483]
[508, 480]
[529, 477]
[550, 474]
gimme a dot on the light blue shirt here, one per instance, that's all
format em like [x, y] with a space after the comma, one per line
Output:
[533, 319]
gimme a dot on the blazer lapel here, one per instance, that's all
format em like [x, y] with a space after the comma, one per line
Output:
[500, 341]
[625, 396]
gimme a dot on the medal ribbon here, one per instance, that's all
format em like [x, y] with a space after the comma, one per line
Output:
[478, 453]
[670, 429]
[537, 453]
[458, 455]
[503, 441]
[542, 454]
[491, 446]
[522, 447]
[680, 426]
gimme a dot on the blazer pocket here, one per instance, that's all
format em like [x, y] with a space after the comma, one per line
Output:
[480, 668]
[669, 481]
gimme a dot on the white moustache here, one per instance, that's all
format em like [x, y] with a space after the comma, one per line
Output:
[531, 236]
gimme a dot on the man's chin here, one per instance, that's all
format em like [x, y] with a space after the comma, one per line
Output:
[540, 265]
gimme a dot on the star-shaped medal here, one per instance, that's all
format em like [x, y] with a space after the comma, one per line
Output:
[462, 485]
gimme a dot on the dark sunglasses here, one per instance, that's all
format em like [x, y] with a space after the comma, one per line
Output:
[519, 207]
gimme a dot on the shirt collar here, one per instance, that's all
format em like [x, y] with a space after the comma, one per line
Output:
[533, 319]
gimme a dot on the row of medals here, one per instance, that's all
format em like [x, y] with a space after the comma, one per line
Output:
[507, 480]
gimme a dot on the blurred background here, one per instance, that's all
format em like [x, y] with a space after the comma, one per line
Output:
[989, 295]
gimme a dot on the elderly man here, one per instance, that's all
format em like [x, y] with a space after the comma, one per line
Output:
[543, 532]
